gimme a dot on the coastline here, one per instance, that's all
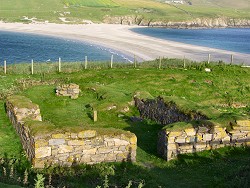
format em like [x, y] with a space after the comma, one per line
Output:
[120, 38]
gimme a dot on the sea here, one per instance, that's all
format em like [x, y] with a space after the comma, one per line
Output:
[232, 39]
[18, 47]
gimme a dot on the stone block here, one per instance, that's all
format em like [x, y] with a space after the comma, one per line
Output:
[238, 136]
[63, 157]
[122, 148]
[75, 142]
[180, 140]
[104, 150]
[199, 146]
[190, 139]
[207, 137]
[122, 156]
[87, 134]
[185, 147]
[172, 147]
[22, 111]
[218, 129]
[65, 149]
[109, 143]
[42, 152]
[199, 137]
[85, 159]
[56, 142]
[226, 140]
[73, 135]
[190, 132]
[97, 158]
[110, 157]
[131, 148]
[174, 133]
[242, 128]
[133, 140]
[119, 142]
[170, 140]
[41, 143]
[91, 151]
[59, 135]
[243, 123]
[216, 146]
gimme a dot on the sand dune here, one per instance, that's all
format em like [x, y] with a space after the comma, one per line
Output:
[119, 37]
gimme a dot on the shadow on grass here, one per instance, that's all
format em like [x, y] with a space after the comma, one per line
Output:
[147, 134]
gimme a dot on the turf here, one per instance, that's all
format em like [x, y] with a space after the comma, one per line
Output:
[76, 11]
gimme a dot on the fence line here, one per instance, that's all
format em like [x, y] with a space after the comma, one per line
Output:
[160, 63]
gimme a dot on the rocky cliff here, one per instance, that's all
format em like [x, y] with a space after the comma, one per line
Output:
[196, 23]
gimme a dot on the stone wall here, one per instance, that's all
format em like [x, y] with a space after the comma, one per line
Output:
[164, 113]
[46, 145]
[68, 90]
[20, 109]
[206, 137]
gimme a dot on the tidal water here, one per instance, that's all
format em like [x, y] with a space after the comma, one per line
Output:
[237, 40]
[20, 47]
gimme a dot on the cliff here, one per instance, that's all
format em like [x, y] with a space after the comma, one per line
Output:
[196, 23]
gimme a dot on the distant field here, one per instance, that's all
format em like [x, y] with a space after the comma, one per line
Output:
[76, 11]
[90, 3]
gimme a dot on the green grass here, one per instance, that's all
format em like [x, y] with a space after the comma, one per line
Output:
[220, 90]
[9, 141]
[96, 10]
[90, 3]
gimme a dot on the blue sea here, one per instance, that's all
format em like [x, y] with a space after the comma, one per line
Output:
[237, 40]
[20, 47]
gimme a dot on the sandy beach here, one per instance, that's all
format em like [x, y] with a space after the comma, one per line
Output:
[119, 37]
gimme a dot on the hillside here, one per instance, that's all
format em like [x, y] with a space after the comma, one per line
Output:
[143, 12]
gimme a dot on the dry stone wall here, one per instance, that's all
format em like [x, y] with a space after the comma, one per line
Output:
[70, 90]
[83, 147]
[66, 148]
[164, 113]
[190, 140]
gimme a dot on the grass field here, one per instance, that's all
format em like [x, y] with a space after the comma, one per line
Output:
[96, 10]
[90, 3]
[224, 89]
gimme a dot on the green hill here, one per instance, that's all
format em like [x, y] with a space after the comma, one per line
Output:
[102, 10]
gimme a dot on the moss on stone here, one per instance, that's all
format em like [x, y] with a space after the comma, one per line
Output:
[22, 102]
[43, 129]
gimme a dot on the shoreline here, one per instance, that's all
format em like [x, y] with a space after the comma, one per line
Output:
[122, 39]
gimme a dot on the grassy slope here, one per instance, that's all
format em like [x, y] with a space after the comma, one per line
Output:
[117, 86]
[14, 10]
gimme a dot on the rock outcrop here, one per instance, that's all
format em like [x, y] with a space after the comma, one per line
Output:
[195, 23]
